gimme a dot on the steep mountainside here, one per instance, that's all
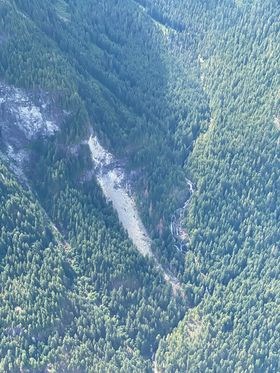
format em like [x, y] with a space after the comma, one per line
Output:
[181, 99]
[234, 216]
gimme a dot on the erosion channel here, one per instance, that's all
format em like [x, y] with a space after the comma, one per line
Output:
[113, 182]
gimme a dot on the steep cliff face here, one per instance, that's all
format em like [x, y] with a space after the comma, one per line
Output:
[25, 116]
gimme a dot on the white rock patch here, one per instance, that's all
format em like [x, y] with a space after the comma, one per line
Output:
[111, 180]
[30, 118]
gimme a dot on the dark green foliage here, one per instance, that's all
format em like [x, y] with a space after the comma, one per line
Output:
[174, 89]
[115, 306]
[234, 216]
[132, 83]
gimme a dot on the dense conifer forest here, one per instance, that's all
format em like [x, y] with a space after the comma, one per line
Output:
[177, 90]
